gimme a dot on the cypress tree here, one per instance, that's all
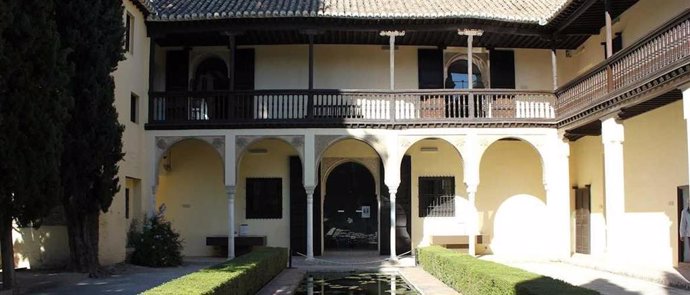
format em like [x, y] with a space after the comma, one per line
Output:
[32, 115]
[92, 31]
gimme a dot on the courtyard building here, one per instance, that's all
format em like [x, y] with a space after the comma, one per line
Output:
[526, 129]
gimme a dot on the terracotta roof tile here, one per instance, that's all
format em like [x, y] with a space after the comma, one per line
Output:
[525, 11]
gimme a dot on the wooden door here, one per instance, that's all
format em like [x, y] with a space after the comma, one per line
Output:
[582, 220]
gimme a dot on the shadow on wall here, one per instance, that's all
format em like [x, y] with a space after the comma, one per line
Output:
[42, 248]
[520, 227]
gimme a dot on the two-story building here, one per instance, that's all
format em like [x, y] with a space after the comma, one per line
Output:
[531, 129]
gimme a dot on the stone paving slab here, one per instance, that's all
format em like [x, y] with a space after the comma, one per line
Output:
[425, 282]
[284, 283]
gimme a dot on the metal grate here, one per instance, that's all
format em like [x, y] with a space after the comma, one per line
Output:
[437, 196]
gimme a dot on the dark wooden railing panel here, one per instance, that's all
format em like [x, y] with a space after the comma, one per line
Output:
[350, 105]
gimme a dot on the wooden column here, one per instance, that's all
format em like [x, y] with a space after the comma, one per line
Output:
[232, 46]
[607, 16]
[391, 47]
[470, 62]
[152, 76]
[310, 99]
[554, 65]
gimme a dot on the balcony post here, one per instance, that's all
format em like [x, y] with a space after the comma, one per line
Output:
[310, 99]
[470, 79]
[554, 65]
[152, 80]
[232, 47]
[391, 47]
[607, 17]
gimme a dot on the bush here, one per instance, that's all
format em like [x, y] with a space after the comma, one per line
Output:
[471, 276]
[157, 244]
[243, 275]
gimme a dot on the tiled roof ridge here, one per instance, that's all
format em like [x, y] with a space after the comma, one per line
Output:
[523, 11]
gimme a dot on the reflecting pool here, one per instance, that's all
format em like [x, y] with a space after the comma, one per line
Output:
[354, 283]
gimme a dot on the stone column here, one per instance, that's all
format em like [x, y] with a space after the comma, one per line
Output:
[612, 135]
[230, 191]
[686, 115]
[392, 190]
[472, 224]
[310, 222]
[556, 179]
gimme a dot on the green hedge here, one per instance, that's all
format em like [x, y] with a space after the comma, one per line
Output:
[472, 276]
[243, 275]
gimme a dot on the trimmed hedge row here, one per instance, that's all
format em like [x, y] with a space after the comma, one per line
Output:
[472, 276]
[243, 275]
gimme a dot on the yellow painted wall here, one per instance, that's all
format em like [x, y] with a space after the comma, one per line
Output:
[636, 22]
[44, 248]
[194, 195]
[444, 162]
[655, 152]
[587, 168]
[511, 201]
[533, 69]
[130, 77]
[274, 163]
[335, 67]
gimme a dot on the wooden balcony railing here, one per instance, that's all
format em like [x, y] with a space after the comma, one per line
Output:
[658, 53]
[353, 106]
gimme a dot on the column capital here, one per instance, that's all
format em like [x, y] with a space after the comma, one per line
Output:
[310, 190]
[472, 187]
[612, 130]
[470, 32]
[392, 33]
[230, 191]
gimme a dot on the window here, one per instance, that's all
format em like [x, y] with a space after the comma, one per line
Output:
[457, 77]
[134, 108]
[437, 196]
[127, 203]
[129, 33]
[264, 198]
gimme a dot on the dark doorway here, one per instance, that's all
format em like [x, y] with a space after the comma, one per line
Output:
[582, 220]
[350, 209]
[682, 203]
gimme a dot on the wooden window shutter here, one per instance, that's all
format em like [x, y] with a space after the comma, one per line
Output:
[177, 70]
[430, 68]
[502, 69]
[244, 69]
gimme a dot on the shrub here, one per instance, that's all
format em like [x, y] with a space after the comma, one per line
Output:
[158, 244]
[471, 276]
[243, 275]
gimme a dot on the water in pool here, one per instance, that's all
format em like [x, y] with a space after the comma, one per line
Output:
[352, 283]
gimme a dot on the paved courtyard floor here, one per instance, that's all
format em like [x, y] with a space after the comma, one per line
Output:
[126, 279]
[605, 282]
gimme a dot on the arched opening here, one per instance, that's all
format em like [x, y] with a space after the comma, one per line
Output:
[457, 76]
[350, 209]
[211, 74]
[350, 179]
[511, 201]
[432, 174]
[267, 186]
[190, 184]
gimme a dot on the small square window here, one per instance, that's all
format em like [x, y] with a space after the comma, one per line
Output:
[437, 196]
[129, 33]
[264, 198]
[134, 108]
